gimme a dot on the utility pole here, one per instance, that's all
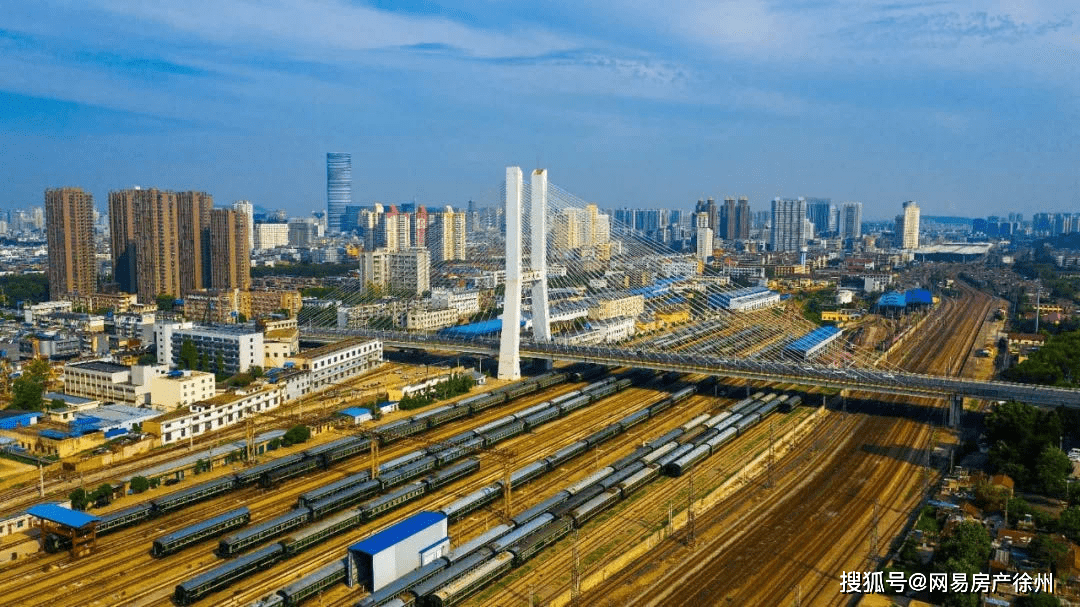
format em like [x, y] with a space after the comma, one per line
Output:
[374, 438]
[874, 535]
[769, 485]
[249, 432]
[41, 480]
[575, 576]
[691, 540]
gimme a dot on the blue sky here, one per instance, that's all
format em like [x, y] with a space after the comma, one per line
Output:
[970, 107]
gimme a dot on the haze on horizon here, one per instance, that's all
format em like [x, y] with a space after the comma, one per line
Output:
[968, 107]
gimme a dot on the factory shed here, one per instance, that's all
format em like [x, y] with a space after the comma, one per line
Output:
[397, 550]
[811, 344]
[79, 527]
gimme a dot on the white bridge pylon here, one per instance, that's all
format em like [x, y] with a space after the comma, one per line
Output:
[510, 338]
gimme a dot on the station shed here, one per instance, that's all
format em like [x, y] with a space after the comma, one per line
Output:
[395, 551]
[811, 344]
[358, 415]
[79, 527]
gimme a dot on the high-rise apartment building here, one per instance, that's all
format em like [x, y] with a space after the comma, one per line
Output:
[742, 218]
[69, 216]
[822, 213]
[405, 271]
[167, 243]
[230, 258]
[146, 242]
[704, 243]
[907, 226]
[850, 224]
[789, 224]
[271, 235]
[727, 219]
[449, 237]
[193, 229]
[245, 206]
[338, 188]
[576, 228]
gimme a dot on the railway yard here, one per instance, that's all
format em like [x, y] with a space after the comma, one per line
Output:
[801, 493]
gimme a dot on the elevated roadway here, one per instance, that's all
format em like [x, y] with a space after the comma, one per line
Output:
[805, 374]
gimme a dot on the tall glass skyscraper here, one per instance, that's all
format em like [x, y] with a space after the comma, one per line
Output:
[338, 188]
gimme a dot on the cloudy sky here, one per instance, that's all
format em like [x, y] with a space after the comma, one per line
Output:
[970, 107]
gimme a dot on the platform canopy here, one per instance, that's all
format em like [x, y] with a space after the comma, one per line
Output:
[67, 517]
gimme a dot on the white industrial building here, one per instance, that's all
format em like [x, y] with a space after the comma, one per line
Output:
[337, 362]
[397, 550]
[215, 413]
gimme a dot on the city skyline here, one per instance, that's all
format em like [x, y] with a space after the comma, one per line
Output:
[645, 107]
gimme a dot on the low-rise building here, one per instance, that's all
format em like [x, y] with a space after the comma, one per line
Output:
[215, 413]
[45, 308]
[107, 381]
[239, 347]
[181, 388]
[464, 302]
[336, 362]
[422, 319]
[841, 315]
[614, 306]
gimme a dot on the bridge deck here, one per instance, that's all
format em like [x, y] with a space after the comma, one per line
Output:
[866, 380]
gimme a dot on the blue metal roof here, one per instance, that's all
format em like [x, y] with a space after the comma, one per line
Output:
[892, 300]
[355, 411]
[485, 327]
[395, 533]
[813, 338]
[64, 516]
[919, 296]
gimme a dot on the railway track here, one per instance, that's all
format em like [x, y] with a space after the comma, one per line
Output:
[130, 547]
[795, 541]
[58, 483]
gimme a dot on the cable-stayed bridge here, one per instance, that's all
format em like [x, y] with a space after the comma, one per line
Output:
[573, 264]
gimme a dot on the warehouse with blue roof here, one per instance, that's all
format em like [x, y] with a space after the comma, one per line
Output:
[897, 301]
[745, 299]
[813, 343]
[397, 550]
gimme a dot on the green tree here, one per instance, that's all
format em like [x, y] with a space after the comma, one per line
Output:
[255, 371]
[149, 358]
[56, 403]
[165, 302]
[1039, 599]
[274, 444]
[79, 499]
[27, 389]
[241, 318]
[1051, 469]
[139, 484]
[189, 356]
[1048, 551]
[297, 434]
[204, 363]
[1069, 523]
[219, 363]
[102, 495]
[967, 550]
